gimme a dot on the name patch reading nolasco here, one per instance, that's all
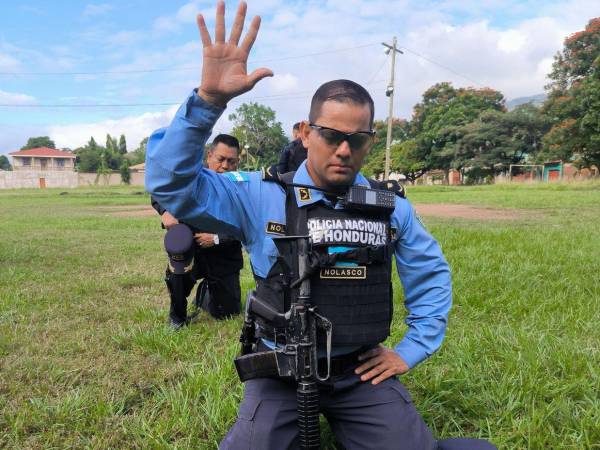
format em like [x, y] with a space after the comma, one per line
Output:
[347, 231]
[347, 273]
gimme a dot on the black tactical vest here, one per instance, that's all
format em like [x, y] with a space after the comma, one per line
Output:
[355, 294]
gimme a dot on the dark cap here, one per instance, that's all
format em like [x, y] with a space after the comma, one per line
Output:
[179, 244]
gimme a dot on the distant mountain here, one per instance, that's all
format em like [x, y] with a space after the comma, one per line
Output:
[537, 100]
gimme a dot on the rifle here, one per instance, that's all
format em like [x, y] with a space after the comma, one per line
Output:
[301, 324]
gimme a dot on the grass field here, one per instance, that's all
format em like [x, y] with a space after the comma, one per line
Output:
[86, 360]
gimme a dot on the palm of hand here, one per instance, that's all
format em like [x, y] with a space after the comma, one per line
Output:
[224, 70]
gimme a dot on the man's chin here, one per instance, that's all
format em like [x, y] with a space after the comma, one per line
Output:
[340, 180]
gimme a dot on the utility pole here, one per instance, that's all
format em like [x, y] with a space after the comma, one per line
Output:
[390, 93]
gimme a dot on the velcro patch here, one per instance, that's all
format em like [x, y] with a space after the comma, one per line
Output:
[240, 177]
[276, 228]
[354, 232]
[344, 273]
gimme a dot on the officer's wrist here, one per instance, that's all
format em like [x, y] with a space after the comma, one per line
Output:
[216, 239]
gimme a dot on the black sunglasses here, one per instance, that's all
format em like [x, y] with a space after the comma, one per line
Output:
[356, 140]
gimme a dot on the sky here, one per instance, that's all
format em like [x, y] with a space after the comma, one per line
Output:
[75, 69]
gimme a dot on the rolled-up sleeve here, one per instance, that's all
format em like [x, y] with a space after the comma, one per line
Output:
[426, 279]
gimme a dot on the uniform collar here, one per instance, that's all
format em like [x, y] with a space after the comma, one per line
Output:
[305, 197]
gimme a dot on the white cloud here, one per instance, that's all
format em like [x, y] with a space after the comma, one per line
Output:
[97, 9]
[135, 128]
[511, 41]
[16, 99]
[125, 38]
[8, 62]
[283, 83]
[185, 14]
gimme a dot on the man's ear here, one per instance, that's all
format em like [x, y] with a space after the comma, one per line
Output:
[305, 130]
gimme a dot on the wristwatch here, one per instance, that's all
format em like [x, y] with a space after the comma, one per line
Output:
[216, 239]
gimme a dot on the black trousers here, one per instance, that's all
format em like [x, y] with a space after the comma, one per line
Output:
[362, 416]
[220, 296]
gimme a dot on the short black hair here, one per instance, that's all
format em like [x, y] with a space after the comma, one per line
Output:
[227, 139]
[343, 91]
[296, 126]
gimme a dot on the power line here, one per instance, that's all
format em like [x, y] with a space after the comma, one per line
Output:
[449, 69]
[378, 70]
[184, 68]
[286, 96]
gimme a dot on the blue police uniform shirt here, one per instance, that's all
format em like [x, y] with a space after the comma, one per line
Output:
[241, 205]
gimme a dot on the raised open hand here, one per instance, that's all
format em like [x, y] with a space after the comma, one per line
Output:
[224, 67]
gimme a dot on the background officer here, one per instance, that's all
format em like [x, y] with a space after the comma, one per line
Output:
[293, 154]
[365, 404]
[217, 257]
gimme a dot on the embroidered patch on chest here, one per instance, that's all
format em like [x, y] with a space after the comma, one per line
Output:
[344, 273]
[358, 232]
[276, 228]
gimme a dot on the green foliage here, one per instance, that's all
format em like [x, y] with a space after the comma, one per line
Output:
[138, 156]
[438, 117]
[405, 160]
[122, 148]
[95, 158]
[256, 126]
[489, 145]
[374, 164]
[89, 157]
[4, 163]
[124, 171]
[573, 102]
[40, 141]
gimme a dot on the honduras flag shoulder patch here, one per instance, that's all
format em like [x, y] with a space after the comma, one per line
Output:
[239, 177]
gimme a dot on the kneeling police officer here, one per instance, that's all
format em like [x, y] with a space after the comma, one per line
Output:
[350, 261]
[214, 258]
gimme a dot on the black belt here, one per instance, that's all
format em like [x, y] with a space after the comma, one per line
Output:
[263, 364]
[341, 364]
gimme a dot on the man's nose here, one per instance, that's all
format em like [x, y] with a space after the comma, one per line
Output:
[343, 150]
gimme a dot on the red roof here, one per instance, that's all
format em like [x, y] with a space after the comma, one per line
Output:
[43, 151]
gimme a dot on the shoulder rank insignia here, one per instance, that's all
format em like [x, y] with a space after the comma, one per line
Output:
[304, 194]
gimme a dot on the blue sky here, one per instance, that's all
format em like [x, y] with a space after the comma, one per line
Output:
[147, 52]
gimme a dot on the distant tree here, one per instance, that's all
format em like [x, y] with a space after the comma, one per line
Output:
[40, 141]
[125, 173]
[89, 158]
[4, 163]
[573, 102]
[110, 143]
[405, 160]
[138, 156]
[438, 117]
[257, 127]
[375, 161]
[497, 139]
[122, 145]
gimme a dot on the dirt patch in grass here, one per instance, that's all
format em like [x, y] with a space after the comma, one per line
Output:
[127, 210]
[135, 213]
[435, 210]
[468, 212]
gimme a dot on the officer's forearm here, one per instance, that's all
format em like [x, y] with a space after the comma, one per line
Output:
[174, 155]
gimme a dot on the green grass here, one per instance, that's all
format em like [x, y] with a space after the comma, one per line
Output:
[86, 360]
